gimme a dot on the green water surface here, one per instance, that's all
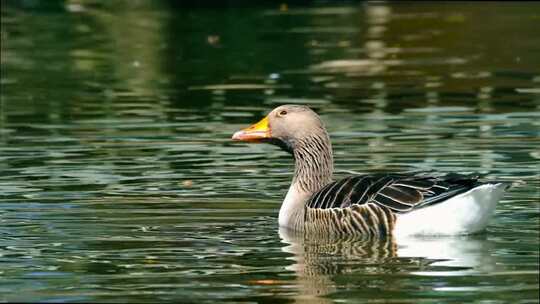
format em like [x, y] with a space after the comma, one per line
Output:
[119, 181]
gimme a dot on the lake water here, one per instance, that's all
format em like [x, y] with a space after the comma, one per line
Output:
[119, 181]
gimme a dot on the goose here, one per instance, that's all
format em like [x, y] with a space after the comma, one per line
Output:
[372, 205]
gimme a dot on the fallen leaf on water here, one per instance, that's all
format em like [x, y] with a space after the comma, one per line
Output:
[266, 282]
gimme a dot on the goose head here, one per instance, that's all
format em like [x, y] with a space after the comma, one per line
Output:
[298, 130]
[285, 126]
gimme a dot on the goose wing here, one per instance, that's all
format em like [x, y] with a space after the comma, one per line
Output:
[398, 192]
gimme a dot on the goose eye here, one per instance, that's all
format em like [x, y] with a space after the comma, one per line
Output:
[283, 113]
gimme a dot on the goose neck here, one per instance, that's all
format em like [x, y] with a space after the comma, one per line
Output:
[314, 163]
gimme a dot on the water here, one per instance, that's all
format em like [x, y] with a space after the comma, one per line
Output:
[119, 181]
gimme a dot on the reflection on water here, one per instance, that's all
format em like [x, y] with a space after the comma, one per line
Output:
[318, 261]
[119, 182]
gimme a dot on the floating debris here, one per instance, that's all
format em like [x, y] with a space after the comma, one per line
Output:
[213, 40]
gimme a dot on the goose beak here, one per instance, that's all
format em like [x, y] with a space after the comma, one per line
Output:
[254, 133]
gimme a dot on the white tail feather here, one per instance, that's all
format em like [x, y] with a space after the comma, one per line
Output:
[466, 213]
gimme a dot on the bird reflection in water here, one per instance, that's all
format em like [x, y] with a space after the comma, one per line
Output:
[320, 261]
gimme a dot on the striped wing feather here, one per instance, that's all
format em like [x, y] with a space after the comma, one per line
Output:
[398, 192]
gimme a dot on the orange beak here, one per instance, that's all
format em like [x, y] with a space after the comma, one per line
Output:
[254, 133]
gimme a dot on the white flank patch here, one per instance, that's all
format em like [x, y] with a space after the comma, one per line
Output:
[465, 213]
